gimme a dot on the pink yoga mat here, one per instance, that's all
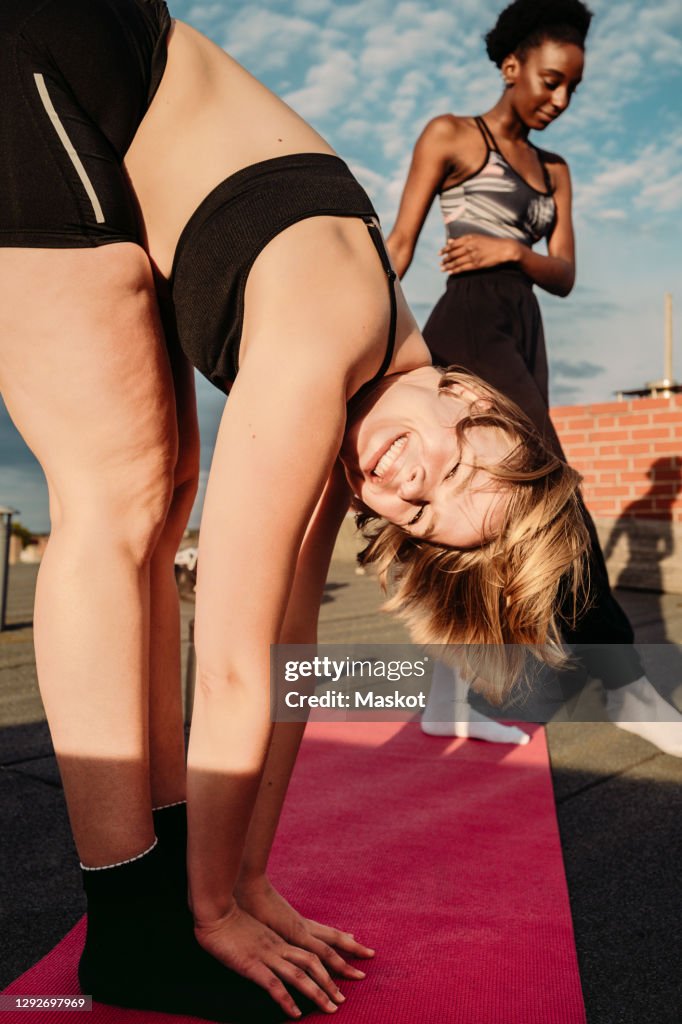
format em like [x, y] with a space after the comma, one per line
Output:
[442, 854]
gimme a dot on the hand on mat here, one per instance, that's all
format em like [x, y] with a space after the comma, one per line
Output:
[263, 902]
[476, 252]
[250, 948]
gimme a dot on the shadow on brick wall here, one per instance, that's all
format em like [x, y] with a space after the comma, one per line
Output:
[645, 536]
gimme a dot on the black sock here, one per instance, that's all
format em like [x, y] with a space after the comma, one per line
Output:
[170, 826]
[140, 950]
[170, 823]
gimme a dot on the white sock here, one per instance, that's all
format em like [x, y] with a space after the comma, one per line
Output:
[448, 713]
[640, 709]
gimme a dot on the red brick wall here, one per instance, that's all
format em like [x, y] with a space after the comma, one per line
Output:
[630, 455]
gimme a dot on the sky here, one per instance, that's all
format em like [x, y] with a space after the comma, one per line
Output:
[368, 75]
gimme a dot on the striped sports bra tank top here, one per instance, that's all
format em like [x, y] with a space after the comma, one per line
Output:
[496, 200]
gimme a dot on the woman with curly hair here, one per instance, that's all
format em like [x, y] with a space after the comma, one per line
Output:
[500, 195]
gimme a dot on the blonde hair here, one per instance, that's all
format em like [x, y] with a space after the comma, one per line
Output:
[495, 604]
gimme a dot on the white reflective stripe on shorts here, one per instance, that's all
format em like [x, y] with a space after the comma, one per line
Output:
[68, 146]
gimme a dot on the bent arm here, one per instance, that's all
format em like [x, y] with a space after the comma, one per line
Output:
[556, 271]
[430, 165]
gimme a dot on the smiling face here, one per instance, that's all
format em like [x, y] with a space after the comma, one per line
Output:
[404, 460]
[543, 81]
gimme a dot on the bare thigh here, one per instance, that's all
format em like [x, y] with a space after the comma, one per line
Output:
[85, 374]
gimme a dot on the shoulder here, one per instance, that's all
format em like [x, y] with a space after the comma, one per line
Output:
[556, 166]
[551, 159]
[445, 128]
[444, 139]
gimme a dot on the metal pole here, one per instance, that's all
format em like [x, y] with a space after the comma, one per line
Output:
[668, 336]
[5, 534]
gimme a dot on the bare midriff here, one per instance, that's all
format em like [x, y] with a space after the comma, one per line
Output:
[209, 119]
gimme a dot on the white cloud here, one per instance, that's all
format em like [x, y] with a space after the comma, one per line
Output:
[648, 183]
[610, 214]
[327, 86]
[413, 83]
[204, 16]
[265, 39]
[664, 196]
[355, 128]
[662, 26]
[355, 17]
[414, 34]
[630, 46]
[312, 7]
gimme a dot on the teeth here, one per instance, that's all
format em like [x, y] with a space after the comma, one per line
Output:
[388, 458]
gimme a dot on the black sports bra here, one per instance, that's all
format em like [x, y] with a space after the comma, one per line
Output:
[228, 230]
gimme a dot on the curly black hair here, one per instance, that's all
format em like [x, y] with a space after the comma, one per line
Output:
[527, 23]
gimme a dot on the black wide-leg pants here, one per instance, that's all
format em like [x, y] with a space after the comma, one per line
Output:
[489, 323]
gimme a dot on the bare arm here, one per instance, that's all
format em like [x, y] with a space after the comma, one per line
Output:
[261, 493]
[430, 163]
[256, 506]
[277, 444]
[254, 891]
[556, 271]
[300, 627]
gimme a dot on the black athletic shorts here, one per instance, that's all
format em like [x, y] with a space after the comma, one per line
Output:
[76, 79]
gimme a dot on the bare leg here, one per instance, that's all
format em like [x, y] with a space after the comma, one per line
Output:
[85, 376]
[166, 721]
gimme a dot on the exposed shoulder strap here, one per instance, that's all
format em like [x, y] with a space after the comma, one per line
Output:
[487, 134]
[378, 240]
[549, 187]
